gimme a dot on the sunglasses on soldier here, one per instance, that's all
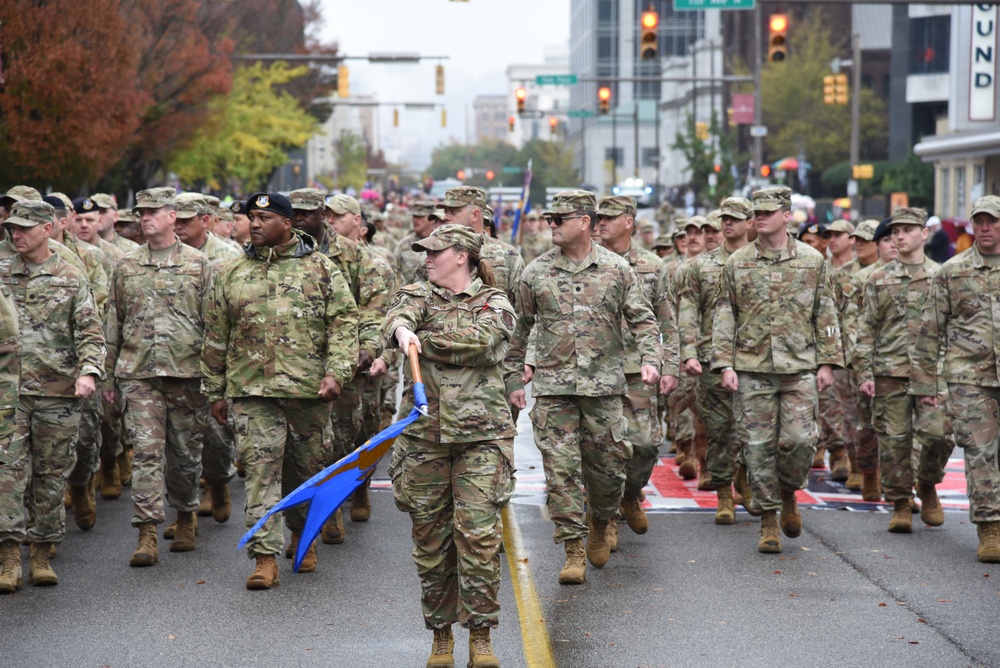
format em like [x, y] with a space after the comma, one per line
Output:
[557, 219]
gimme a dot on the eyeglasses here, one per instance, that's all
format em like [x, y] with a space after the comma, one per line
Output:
[558, 220]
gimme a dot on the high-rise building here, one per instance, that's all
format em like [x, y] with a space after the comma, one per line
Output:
[491, 117]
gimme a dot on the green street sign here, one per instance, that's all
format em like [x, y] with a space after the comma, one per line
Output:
[580, 113]
[690, 5]
[555, 79]
[511, 170]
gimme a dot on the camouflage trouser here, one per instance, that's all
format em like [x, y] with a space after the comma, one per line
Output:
[776, 424]
[111, 427]
[582, 441]
[833, 431]
[371, 416]
[345, 421]
[680, 413]
[282, 443]
[454, 494]
[898, 419]
[88, 440]
[42, 450]
[845, 390]
[219, 453]
[165, 418]
[974, 414]
[642, 430]
[387, 395]
[865, 441]
[715, 408]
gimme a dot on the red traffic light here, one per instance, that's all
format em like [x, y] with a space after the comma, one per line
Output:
[765, 171]
[520, 93]
[650, 19]
[489, 174]
[604, 94]
[460, 175]
[779, 22]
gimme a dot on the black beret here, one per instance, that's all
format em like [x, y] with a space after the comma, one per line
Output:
[883, 229]
[84, 205]
[56, 203]
[275, 202]
[238, 207]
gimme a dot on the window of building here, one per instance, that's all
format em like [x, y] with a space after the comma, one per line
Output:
[650, 157]
[978, 182]
[946, 192]
[616, 154]
[607, 10]
[930, 41]
[960, 191]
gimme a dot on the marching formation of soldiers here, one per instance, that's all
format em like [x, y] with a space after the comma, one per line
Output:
[175, 345]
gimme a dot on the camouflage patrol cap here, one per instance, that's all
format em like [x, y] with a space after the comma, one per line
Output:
[84, 205]
[126, 216]
[645, 226]
[67, 203]
[463, 195]
[616, 205]
[450, 235]
[736, 207]
[663, 241]
[679, 232]
[22, 193]
[715, 219]
[909, 215]
[841, 226]
[665, 212]
[226, 214]
[569, 201]
[30, 213]
[699, 222]
[437, 214]
[866, 230]
[154, 198]
[989, 204]
[772, 199]
[307, 199]
[190, 205]
[421, 209]
[488, 214]
[213, 203]
[341, 204]
[104, 201]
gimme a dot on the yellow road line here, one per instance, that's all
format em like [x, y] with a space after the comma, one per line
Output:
[534, 631]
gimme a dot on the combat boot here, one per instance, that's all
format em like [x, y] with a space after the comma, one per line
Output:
[839, 469]
[704, 477]
[914, 506]
[902, 518]
[442, 649]
[265, 574]
[171, 530]
[293, 545]
[688, 468]
[125, 467]
[770, 541]
[333, 529]
[635, 516]
[854, 478]
[67, 499]
[361, 503]
[308, 564]
[871, 489]
[989, 542]
[613, 534]
[11, 577]
[931, 513]
[743, 487]
[725, 513]
[147, 553]
[598, 548]
[241, 470]
[481, 650]
[222, 505]
[40, 573]
[791, 520]
[205, 503]
[574, 571]
[184, 536]
[84, 514]
[819, 459]
[111, 486]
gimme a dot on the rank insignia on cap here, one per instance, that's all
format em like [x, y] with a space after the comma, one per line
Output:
[813, 229]
[87, 204]
[263, 201]
[235, 208]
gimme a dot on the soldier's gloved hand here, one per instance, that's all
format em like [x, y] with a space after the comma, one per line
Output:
[692, 367]
[650, 374]
[730, 380]
[220, 411]
[517, 400]
[528, 375]
[667, 384]
[85, 386]
[329, 389]
[867, 388]
[378, 368]
[404, 337]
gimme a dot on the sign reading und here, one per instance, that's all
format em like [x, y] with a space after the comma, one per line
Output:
[555, 79]
[983, 66]
[689, 5]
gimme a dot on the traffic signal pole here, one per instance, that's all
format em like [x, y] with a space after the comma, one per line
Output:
[758, 112]
[855, 116]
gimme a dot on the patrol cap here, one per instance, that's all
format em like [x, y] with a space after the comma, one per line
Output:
[22, 193]
[30, 213]
[616, 205]
[488, 214]
[226, 214]
[989, 204]
[841, 226]
[699, 222]
[679, 232]
[866, 230]
[126, 216]
[341, 204]
[213, 203]
[421, 209]
[238, 207]
[736, 207]
[274, 202]
[908, 215]
[84, 205]
[645, 225]
[437, 214]
[190, 205]
[104, 201]
[450, 235]
[569, 201]
[665, 212]
[663, 241]
[56, 202]
[772, 199]
[818, 229]
[154, 198]
[67, 203]
[462, 195]
[307, 199]
[715, 219]
[882, 230]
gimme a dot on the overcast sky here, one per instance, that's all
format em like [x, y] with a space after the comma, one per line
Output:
[480, 37]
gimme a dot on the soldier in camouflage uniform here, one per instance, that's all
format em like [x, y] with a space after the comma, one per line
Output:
[407, 259]
[535, 237]
[108, 210]
[888, 326]
[616, 225]
[280, 342]
[961, 326]
[157, 324]
[62, 358]
[241, 224]
[11, 452]
[573, 299]
[194, 213]
[127, 227]
[453, 471]
[14, 195]
[776, 339]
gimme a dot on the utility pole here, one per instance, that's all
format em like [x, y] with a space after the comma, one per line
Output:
[855, 122]
[635, 103]
[758, 112]
[614, 147]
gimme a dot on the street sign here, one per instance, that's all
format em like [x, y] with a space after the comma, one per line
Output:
[758, 130]
[688, 5]
[511, 170]
[863, 171]
[580, 113]
[555, 79]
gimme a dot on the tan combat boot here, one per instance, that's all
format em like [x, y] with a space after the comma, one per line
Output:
[791, 520]
[770, 541]
[184, 536]
[574, 571]
[147, 553]
[687, 467]
[205, 503]
[333, 529]
[308, 564]
[361, 503]
[84, 512]
[839, 467]
[293, 545]
[854, 478]
[819, 459]
[171, 530]
[125, 467]
[111, 486]
[11, 577]
[265, 574]
[481, 650]
[613, 534]
[598, 548]
[871, 489]
[725, 513]
[704, 477]
[442, 649]
[635, 516]
[902, 518]
[931, 513]
[743, 487]
[989, 542]
[40, 573]
[222, 505]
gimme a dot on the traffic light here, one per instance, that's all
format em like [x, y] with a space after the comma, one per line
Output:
[460, 175]
[604, 99]
[343, 82]
[777, 42]
[829, 89]
[510, 124]
[765, 170]
[444, 118]
[395, 118]
[553, 125]
[649, 43]
[840, 89]
[701, 130]
[522, 96]
[439, 79]
[490, 174]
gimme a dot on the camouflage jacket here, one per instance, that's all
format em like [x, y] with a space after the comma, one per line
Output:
[7, 250]
[94, 262]
[503, 259]
[281, 319]
[61, 335]
[961, 319]
[389, 354]
[219, 252]
[853, 299]
[464, 337]
[890, 320]
[10, 366]
[696, 297]
[158, 313]
[407, 259]
[575, 311]
[648, 270]
[123, 244]
[534, 244]
[666, 318]
[775, 312]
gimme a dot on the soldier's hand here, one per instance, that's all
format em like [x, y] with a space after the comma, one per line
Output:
[220, 411]
[364, 360]
[528, 375]
[404, 337]
[929, 401]
[378, 368]
[824, 377]
[692, 367]
[109, 396]
[329, 389]
[667, 384]
[867, 388]
[517, 400]
[650, 374]
[85, 386]
[730, 380]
